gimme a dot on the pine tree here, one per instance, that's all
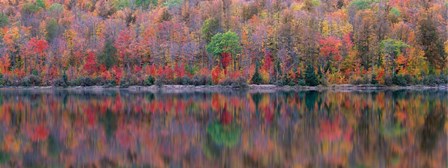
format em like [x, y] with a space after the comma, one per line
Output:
[109, 56]
[256, 78]
[310, 76]
[277, 70]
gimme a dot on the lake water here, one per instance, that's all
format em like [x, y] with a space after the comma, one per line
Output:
[282, 129]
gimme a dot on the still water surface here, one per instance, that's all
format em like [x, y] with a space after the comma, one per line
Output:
[282, 129]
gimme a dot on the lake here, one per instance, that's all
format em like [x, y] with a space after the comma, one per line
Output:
[227, 129]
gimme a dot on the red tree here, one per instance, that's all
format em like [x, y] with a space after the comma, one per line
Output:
[90, 65]
[329, 51]
[225, 60]
[124, 47]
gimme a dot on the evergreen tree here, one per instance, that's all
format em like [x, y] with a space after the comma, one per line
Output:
[277, 70]
[256, 78]
[64, 78]
[310, 76]
[109, 56]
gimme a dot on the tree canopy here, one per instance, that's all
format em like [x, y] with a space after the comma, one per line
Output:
[228, 42]
[222, 41]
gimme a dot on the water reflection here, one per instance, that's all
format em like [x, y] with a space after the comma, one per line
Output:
[283, 129]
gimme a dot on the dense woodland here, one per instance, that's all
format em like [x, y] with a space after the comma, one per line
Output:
[285, 42]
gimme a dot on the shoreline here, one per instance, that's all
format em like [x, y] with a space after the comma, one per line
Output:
[220, 88]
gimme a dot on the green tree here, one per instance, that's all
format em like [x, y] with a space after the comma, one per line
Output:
[120, 4]
[40, 3]
[223, 44]
[145, 3]
[391, 48]
[210, 27]
[256, 78]
[30, 8]
[3, 20]
[52, 28]
[56, 7]
[109, 56]
[310, 76]
[172, 3]
[361, 4]
[277, 70]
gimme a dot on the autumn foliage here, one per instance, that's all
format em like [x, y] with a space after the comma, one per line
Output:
[125, 42]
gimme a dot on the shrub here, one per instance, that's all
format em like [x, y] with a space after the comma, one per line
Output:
[125, 83]
[357, 81]
[301, 82]
[285, 80]
[388, 80]
[10, 81]
[108, 83]
[129, 80]
[31, 80]
[433, 80]
[201, 80]
[443, 79]
[402, 80]
[161, 81]
[183, 81]
[289, 81]
[399, 80]
[238, 83]
[59, 83]
[75, 82]
[2, 81]
[279, 82]
[409, 79]
[369, 80]
[87, 81]
[430, 80]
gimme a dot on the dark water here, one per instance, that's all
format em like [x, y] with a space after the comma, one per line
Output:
[284, 129]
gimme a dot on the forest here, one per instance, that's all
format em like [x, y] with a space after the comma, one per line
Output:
[223, 42]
